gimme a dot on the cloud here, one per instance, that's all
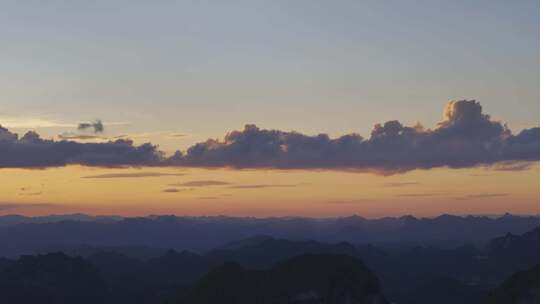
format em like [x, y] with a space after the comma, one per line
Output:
[79, 137]
[421, 194]
[201, 183]
[481, 195]
[512, 166]
[97, 126]
[351, 202]
[133, 175]
[156, 134]
[31, 193]
[480, 174]
[31, 151]
[466, 137]
[260, 186]
[32, 122]
[171, 190]
[9, 206]
[400, 184]
[177, 135]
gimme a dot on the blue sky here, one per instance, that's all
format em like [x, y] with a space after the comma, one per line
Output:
[208, 67]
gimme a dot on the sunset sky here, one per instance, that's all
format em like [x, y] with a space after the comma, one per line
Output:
[177, 73]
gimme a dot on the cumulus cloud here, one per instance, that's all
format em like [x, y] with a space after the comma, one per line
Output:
[31, 151]
[466, 137]
[97, 126]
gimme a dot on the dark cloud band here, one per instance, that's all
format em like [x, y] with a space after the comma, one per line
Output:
[31, 151]
[465, 138]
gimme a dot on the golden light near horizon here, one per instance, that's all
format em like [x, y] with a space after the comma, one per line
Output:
[264, 193]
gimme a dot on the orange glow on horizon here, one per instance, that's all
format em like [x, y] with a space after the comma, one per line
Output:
[264, 193]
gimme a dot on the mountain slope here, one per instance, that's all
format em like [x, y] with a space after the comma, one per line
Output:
[304, 279]
[521, 288]
[52, 278]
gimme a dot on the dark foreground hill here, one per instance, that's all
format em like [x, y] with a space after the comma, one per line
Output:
[59, 279]
[521, 288]
[305, 279]
[51, 279]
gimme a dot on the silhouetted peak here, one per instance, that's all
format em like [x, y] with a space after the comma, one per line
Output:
[353, 219]
[171, 252]
[507, 216]
[408, 218]
[447, 217]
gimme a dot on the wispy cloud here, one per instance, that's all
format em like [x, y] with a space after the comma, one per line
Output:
[133, 175]
[480, 174]
[177, 135]
[33, 122]
[260, 186]
[9, 206]
[512, 166]
[31, 193]
[171, 190]
[400, 184]
[152, 135]
[421, 194]
[201, 183]
[69, 136]
[351, 202]
[481, 195]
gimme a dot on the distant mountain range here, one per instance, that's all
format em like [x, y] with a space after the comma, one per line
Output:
[14, 219]
[28, 235]
[408, 274]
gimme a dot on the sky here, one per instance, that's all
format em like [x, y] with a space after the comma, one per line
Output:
[176, 73]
